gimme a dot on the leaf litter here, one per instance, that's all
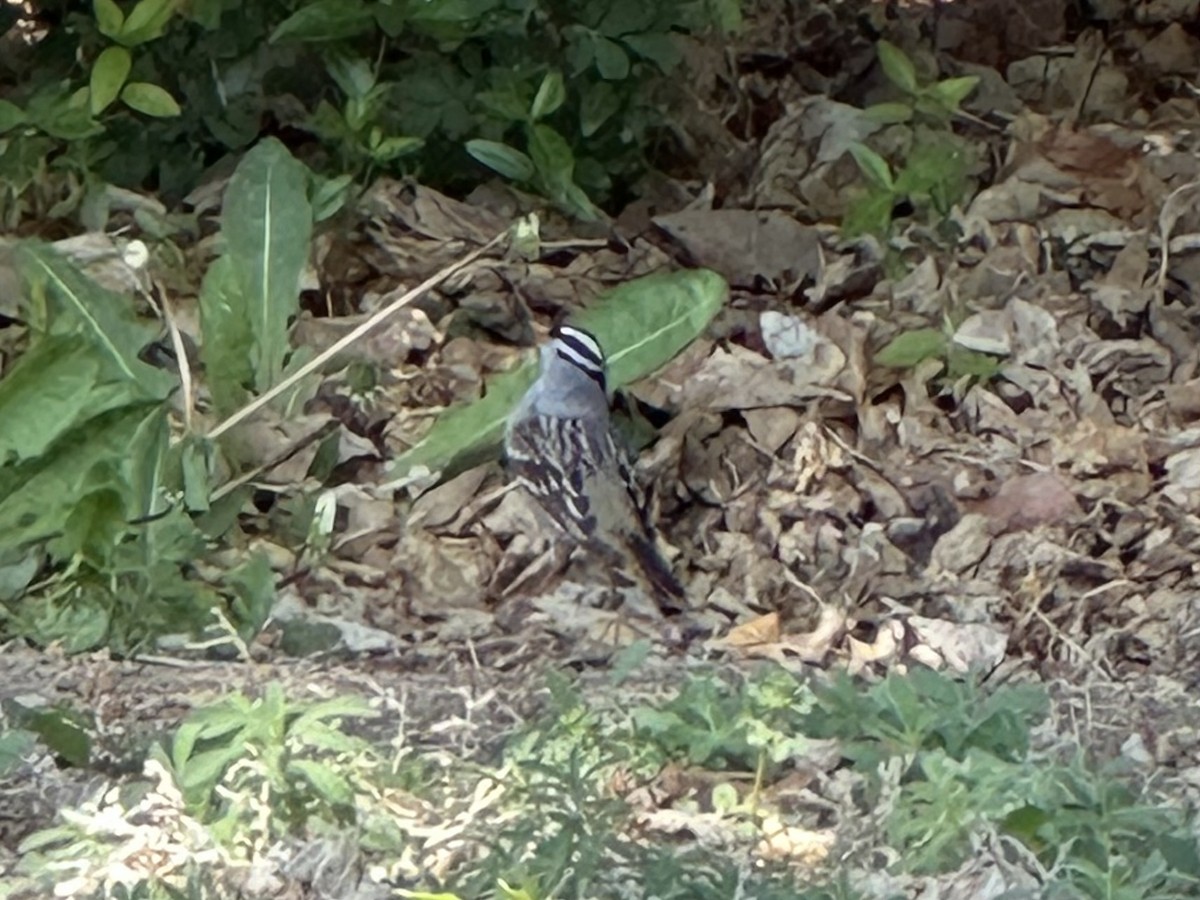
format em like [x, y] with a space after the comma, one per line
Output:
[987, 461]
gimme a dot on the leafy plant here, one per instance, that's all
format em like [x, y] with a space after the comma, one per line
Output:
[293, 759]
[571, 87]
[920, 710]
[709, 723]
[90, 486]
[932, 175]
[911, 348]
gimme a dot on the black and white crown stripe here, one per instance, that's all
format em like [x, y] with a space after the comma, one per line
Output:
[581, 350]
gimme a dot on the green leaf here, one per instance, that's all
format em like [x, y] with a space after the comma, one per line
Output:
[509, 103]
[909, 348]
[329, 785]
[337, 708]
[552, 159]
[870, 213]
[953, 91]
[147, 21]
[641, 325]
[325, 20]
[267, 223]
[183, 743]
[109, 18]
[228, 336]
[15, 747]
[874, 166]
[76, 304]
[329, 195]
[150, 100]
[252, 584]
[550, 96]
[897, 66]
[612, 62]
[962, 362]
[508, 161]
[62, 733]
[660, 48]
[391, 148]
[11, 116]
[38, 496]
[889, 113]
[46, 391]
[353, 74]
[144, 470]
[109, 72]
[470, 434]
[600, 103]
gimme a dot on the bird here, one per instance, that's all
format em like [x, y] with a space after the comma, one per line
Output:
[560, 445]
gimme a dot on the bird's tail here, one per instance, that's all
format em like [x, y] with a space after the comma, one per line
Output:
[665, 587]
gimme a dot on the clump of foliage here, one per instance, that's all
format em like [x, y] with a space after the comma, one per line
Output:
[104, 517]
[909, 349]
[558, 95]
[930, 162]
[941, 765]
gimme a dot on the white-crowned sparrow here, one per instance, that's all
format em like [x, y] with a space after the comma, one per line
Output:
[561, 446]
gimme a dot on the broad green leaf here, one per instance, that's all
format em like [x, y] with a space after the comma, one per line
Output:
[329, 785]
[329, 195]
[109, 18]
[622, 17]
[228, 337]
[204, 770]
[954, 91]
[337, 708]
[641, 325]
[11, 116]
[61, 732]
[146, 21]
[87, 532]
[962, 361]
[109, 72]
[600, 103]
[144, 469]
[874, 166]
[552, 158]
[612, 62]
[267, 222]
[46, 391]
[183, 743]
[252, 584]
[575, 200]
[76, 304]
[661, 49]
[387, 149]
[325, 20]
[889, 113]
[150, 100]
[15, 747]
[507, 103]
[508, 161]
[37, 496]
[897, 66]
[550, 96]
[869, 214]
[468, 435]
[353, 74]
[909, 348]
